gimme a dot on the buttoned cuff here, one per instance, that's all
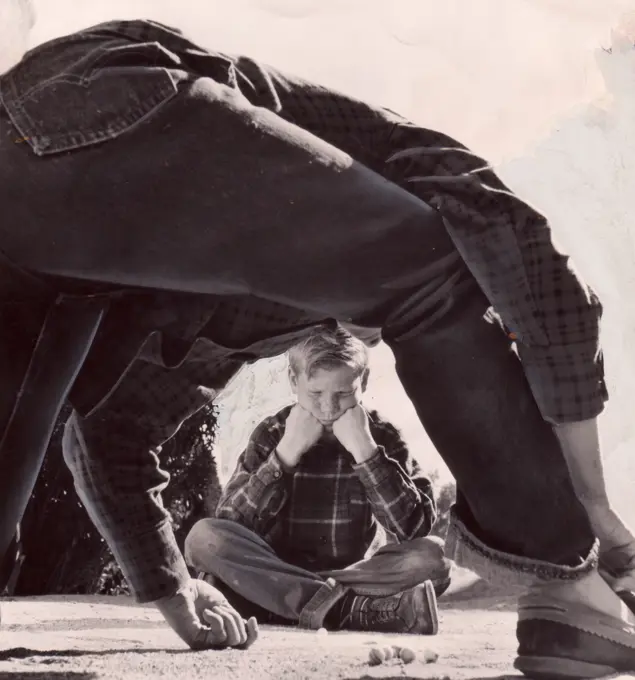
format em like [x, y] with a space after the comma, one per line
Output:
[374, 470]
[270, 471]
[567, 381]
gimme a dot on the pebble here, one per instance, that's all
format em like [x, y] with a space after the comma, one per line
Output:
[407, 655]
[430, 656]
[376, 656]
[322, 631]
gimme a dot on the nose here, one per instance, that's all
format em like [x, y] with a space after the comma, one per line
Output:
[329, 407]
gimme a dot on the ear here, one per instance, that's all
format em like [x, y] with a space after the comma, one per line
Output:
[365, 376]
[293, 380]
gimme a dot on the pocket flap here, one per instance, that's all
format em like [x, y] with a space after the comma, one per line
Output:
[94, 95]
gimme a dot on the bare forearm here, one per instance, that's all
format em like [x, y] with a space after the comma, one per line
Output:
[582, 450]
[580, 442]
[288, 455]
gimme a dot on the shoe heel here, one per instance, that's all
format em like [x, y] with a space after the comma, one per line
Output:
[431, 601]
[556, 668]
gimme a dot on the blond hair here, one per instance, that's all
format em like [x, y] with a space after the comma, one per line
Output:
[328, 347]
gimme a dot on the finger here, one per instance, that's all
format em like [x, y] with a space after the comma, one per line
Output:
[201, 636]
[216, 625]
[252, 632]
[240, 624]
[229, 626]
[205, 638]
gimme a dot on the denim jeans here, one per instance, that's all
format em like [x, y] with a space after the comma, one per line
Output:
[205, 194]
[244, 562]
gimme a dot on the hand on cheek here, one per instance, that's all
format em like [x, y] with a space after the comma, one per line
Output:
[353, 431]
[302, 430]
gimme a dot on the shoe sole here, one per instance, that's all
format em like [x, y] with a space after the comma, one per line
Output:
[430, 604]
[557, 668]
[584, 620]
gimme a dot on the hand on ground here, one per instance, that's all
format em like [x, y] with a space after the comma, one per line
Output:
[201, 616]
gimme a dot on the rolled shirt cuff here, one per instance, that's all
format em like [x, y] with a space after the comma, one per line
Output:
[567, 381]
[152, 563]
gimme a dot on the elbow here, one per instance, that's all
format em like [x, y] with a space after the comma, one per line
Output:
[424, 526]
[226, 510]
[230, 505]
[419, 525]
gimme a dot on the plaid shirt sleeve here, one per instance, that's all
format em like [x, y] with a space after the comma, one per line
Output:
[400, 495]
[114, 456]
[536, 294]
[256, 491]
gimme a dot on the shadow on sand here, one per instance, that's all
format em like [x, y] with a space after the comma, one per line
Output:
[56, 675]
[57, 625]
[50, 654]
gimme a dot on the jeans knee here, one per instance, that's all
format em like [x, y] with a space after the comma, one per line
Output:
[432, 547]
[427, 555]
[205, 538]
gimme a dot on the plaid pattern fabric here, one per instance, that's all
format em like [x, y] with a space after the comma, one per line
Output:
[324, 515]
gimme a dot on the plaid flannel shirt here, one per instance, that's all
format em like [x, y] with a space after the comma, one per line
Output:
[533, 288]
[325, 513]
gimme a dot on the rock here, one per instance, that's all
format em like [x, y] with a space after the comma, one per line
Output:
[376, 656]
[407, 655]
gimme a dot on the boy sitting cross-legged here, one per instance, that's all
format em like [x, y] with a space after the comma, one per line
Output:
[293, 528]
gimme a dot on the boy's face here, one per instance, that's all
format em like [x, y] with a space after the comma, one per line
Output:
[328, 393]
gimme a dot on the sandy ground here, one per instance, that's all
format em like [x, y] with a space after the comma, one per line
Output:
[99, 637]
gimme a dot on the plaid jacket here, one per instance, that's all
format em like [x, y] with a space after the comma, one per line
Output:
[324, 515]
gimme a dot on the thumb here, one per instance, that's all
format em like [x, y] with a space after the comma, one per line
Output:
[252, 632]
